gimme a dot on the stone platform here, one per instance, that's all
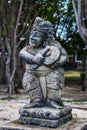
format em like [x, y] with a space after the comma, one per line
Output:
[71, 125]
[45, 116]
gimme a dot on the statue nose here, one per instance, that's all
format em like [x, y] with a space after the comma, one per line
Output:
[32, 37]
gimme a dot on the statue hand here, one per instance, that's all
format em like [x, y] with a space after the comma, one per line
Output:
[38, 58]
[48, 53]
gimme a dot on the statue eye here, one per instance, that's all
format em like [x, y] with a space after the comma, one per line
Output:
[38, 35]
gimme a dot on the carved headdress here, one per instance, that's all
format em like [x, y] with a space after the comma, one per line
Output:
[43, 26]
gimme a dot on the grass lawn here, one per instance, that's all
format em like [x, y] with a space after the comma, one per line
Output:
[72, 74]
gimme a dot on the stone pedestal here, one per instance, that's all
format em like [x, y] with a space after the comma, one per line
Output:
[45, 116]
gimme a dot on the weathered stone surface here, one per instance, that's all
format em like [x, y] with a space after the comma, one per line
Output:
[44, 57]
[55, 54]
[44, 78]
[45, 122]
[45, 112]
[45, 116]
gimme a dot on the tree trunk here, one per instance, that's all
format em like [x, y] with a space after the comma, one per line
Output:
[8, 71]
[80, 7]
[84, 86]
[3, 67]
[12, 77]
[86, 71]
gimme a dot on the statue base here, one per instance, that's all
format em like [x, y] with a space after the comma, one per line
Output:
[45, 116]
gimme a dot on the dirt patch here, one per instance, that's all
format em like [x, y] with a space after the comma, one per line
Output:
[71, 95]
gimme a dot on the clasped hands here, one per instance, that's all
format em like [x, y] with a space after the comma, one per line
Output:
[39, 57]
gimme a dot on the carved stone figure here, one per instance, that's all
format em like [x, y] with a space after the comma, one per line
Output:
[44, 75]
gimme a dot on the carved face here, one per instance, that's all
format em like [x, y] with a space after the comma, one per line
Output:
[36, 39]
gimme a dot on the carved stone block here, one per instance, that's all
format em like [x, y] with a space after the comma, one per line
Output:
[45, 116]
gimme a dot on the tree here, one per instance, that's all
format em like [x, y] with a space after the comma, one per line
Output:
[16, 18]
[80, 9]
[15, 25]
[16, 21]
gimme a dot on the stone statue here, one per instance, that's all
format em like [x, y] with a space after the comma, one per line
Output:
[44, 75]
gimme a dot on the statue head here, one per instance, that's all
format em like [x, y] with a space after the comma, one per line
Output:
[41, 33]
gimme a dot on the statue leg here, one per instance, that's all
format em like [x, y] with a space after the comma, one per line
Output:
[54, 99]
[32, 84]
[54, 83]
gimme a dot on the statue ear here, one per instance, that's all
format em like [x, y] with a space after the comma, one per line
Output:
[37, 21]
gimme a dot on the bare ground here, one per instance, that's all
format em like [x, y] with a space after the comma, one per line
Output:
[71, 95]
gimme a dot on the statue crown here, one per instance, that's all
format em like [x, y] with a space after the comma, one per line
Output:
[43, 26]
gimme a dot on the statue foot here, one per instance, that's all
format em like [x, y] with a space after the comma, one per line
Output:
[34, 104]
[55, 104]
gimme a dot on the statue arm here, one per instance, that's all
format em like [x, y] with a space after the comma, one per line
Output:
[35, 59]
[26, 56]
[63, 53]
[62, 50]
[63, 57]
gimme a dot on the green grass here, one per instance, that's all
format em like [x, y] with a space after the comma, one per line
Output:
[72, 74]
[76, 100]
[12, 98]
